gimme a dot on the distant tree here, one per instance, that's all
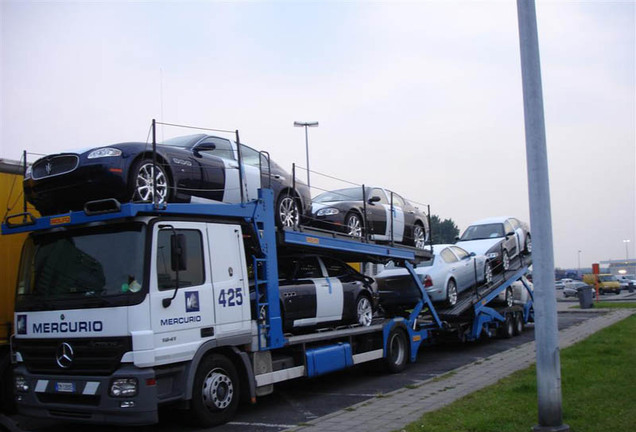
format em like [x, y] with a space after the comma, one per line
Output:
[443, 231]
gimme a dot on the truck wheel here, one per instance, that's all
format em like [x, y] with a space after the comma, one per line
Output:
[215, 395]
[518, 323]
[508, 329]
[396, 351]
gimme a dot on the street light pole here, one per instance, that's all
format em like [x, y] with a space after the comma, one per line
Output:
[626, 249]
[546, 331]
[306, 125]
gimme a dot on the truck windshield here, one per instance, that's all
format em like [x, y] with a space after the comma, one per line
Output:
[88, 267]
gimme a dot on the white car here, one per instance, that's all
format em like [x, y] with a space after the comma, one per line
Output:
[450, 271]
[624, 280]
[499, 238]
[517, 293]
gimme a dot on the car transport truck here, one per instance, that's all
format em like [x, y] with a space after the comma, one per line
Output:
[122, 308]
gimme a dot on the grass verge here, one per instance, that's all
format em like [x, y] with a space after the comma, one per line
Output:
[611, 305]
[598, 388]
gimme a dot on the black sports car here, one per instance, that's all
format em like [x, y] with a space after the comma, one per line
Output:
[192, 168]
[343, 210]
[318, 290]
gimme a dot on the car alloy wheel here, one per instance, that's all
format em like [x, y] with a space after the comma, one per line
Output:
[288, 212]
[354, 225]
[419, 236]
[451, 293]
[509, 297]
[528, 244]
[487, 273]
[364, 311]
[505, 260]
[144, 180]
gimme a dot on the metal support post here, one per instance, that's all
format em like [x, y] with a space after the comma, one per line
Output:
[546, 331]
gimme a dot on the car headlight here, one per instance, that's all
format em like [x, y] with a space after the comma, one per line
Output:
[21, 384]
[104, 152]
[123, 387]
[492, 255]
[329, 211]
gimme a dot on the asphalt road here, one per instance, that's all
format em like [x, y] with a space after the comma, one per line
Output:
[301, 400]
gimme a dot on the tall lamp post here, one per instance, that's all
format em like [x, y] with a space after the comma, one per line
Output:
[306, 125]
[626, 249]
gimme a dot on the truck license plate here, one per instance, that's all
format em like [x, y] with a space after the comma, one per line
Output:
[64, 387]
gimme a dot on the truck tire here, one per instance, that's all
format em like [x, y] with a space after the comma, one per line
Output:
[518, 323]
[396, 351]
[507, 330]
[215, 394]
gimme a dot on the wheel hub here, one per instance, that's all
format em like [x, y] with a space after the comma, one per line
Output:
[217, 391]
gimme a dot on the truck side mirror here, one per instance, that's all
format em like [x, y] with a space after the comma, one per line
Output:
[178, 258]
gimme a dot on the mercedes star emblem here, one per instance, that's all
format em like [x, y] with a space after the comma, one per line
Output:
[64, 355]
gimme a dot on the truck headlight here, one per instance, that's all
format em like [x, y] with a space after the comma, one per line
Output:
[104, 152]
[21, 384]
[123, 387]
[329, 211]
[493, 255]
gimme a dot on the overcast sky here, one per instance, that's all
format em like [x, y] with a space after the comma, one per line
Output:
[421, 97]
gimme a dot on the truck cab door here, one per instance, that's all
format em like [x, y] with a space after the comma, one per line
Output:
[177, 326]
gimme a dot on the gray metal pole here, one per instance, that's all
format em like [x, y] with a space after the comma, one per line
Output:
[546, 330]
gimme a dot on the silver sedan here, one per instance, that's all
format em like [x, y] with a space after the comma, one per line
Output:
[450, 271]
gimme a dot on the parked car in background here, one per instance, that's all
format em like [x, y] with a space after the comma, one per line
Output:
[606, 282]
[499, 238]
[516, 293]
[194, 168]
[319, 290]
[572, 289]
[559, 285]
[343, 209]
[626, 279]
[450, 271]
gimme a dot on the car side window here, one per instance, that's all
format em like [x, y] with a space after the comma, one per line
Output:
[461, 253]
[250, 156]
[336, 268]
[379, 193]
[223, 148]
[398, 201]
[448, 256]
[508, 227]
[193, 275]
[308, 268]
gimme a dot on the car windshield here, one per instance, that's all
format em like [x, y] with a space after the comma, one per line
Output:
[348, 194]
[90, 267]
[608, 278]
[183, 141]
[479, 232]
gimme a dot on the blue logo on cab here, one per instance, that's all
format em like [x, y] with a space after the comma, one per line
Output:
[192, 301]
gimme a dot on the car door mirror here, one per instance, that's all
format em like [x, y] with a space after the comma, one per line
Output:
[206, 146]
[510, 234]
[374, 199]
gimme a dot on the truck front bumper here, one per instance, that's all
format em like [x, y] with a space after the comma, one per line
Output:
[87, 399]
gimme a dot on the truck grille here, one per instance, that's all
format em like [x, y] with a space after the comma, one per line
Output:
[54, 165]
[89, 356]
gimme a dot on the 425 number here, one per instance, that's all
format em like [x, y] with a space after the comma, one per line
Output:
[231, 297]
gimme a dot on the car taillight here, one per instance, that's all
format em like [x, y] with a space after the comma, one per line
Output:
[428, 282]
